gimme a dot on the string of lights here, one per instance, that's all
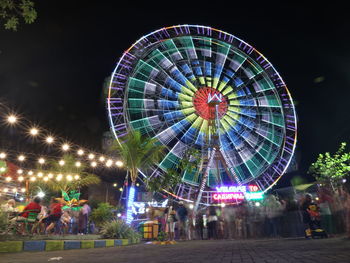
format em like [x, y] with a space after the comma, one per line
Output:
[42, 135]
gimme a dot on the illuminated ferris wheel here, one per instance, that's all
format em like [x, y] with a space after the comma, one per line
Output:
[196, 87]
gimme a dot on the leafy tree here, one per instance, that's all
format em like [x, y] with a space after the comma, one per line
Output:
[68, 182]
[138, 152]
[102, 214]
[328, 167]
[12, 11]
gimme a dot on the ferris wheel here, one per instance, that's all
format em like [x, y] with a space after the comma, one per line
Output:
[196, 87]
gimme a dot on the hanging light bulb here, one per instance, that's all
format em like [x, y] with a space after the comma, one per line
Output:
[102, 159]
[61, 162]
[59, 177]
[69, 178]
[119, 163]
[6, 190]
[30, 173]
[2, 155]
[21, 158]
[20, 178]
[41, 160]
[76, 177]
[8, 179]
[12, 119]
[2, 169]
[77, 164]
[109, 163]
[40, 174]
[20, 171]
[91, 156]
[45, 178]
[80, 152]
[33, 179]
[23, 190]
[33, 131]
[65, 147]
[50, 175]
[49, 139]
[14, 190]
[93, 164]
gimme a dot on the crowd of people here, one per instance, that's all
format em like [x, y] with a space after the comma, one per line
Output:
[273, 217]
[46, 219]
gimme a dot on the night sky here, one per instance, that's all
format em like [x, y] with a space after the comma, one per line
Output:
[53, 70]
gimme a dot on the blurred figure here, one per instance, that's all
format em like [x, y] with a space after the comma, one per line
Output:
[200, 225]
[9, 206]
[212, 223]
[273, 214]
[170, 215]
[325, 199]
[54, 215]
[182, 215]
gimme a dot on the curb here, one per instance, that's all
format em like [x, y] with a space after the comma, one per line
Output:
[51, 245]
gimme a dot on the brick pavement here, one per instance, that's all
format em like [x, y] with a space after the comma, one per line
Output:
[221, 251]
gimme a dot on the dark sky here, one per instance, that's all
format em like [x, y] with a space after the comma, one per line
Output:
[53, 70]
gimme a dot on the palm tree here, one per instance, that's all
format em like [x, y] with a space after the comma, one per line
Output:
[137, 152]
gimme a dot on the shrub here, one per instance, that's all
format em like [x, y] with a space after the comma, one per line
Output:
[120, 230]
[102, 214]
[3, 221]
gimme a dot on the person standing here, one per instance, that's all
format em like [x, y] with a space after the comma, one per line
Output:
[182, 215]
[54, 215]
[212, 223]
[84, 218]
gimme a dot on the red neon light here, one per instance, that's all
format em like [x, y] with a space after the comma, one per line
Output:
[253, 188]
[228, 196]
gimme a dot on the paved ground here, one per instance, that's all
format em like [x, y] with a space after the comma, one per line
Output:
[326, 250]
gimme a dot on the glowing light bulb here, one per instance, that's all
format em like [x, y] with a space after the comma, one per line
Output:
[14, 190]
[20, 178]
[91, 156]
[8, 179]
[109, 163]
[45, 178]
[41, 160]
[11, 119]
[61, 162]
[76, 177]
[50, 175]
[34, 131]
[93, 164]
[121, 189]
[2, 155]
[102, 159]
[69, 178]
[30, 173]
[78, 164]
[137, 184]
[80, 152]
[40, 174]
[49, 139]
[65, 147]
[119, 163]
[115, 185]
[2, 169]
[41, 194]
[6, 190]
[59, 177]
[33, 179]
[23, 190]
[21, 158]
[20, 171]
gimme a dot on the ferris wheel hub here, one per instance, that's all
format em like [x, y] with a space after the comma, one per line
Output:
[205, 101]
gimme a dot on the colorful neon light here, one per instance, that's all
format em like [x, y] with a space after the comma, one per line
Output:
[129, 216]
[228, 196]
